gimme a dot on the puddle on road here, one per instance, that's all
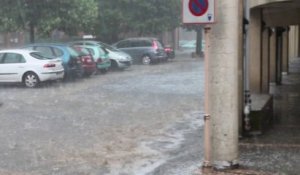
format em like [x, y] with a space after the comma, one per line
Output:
[154, 152]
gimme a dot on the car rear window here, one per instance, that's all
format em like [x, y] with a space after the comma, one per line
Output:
[81, 50]
[91, 51]
[40, 56]
[72, 52]
[108, 47]
[101, 51]
[159, 45]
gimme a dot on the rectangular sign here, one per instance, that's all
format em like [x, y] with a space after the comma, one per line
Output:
[198, 11]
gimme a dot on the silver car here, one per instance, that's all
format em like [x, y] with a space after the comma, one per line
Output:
[119, 59]
[143, 50]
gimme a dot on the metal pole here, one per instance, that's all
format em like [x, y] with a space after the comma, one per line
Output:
[207, 117]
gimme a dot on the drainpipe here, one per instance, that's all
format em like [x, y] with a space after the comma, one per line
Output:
[247, 93]
[207, 118]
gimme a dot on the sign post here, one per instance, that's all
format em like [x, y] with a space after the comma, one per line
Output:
[203, 12]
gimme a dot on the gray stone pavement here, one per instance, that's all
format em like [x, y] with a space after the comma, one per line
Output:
[277, 151]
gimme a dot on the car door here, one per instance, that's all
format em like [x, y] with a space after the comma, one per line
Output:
[12, 67]
[127, 46]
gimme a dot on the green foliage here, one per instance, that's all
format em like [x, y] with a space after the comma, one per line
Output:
[198, 29]
[142, 17]
[10, 18]
[46, 15]
[107, 18]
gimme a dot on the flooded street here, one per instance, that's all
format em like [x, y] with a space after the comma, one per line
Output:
[129, 122]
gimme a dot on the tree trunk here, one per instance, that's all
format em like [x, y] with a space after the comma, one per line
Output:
[32, 33]
[7, 40]
[199, 42]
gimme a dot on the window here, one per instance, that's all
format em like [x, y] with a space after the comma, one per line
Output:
[11, 58]
[108, 47]
[29, 48]
[47, 51]
[89, 44]
[1, 57]
[135, 43]
[159, 45]
[101, 51]
[79, 43]
[91, 51]
[81, 50]
[124, 44]
[72, 52]
[39, 56]
[57, 52]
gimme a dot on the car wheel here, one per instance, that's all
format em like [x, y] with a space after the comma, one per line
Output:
[31, 80]
[114, 65]
[104, 71]
[87, 75]
[146, 60]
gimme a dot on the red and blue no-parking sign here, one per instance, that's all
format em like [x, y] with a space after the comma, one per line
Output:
[198, 11]
[198, 7]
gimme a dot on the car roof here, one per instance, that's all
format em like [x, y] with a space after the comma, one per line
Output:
[86, 46]
[141, 38]
[49, 44]
[85, 41]
[20, 51]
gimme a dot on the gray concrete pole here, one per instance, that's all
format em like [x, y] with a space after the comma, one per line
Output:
[224, 84]
[298, 42]
[241, 69]
[285, 52]
[273, 43]
[265, 60]
[255, 60]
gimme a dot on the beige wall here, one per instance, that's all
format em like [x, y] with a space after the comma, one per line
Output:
[293, 41]
[255, 3]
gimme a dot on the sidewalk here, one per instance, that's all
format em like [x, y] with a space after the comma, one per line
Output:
[277, 151]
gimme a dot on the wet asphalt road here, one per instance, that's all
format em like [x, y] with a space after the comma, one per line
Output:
[144, 120]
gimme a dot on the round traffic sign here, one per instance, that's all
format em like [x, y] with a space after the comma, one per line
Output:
[198, 7]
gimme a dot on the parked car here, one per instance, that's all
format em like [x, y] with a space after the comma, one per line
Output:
[29, 67]
[169, 51]
[188, 45]
[100, 56]
[119, 59]
[88, 63]
[143, 50]
[191, 45]
[70, 58]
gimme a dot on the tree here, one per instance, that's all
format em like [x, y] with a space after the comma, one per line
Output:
[45, 15]
[11, 18]
[141, 17]
[198, 29]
